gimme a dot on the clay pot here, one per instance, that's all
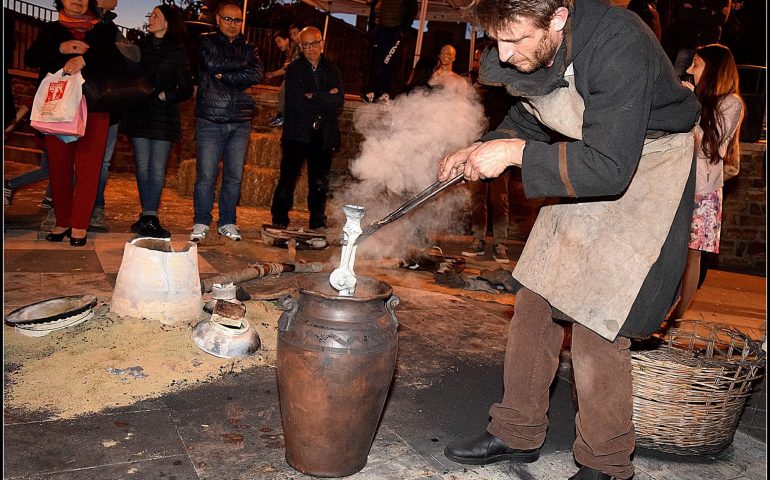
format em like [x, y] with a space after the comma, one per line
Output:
[157, 283]
[336, 357]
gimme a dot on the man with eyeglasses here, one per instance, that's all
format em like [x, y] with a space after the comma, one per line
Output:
[228, 66]
[310, 130]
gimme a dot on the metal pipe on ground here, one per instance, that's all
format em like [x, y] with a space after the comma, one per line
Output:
[259, 270]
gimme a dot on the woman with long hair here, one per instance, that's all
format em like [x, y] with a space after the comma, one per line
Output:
[78, 41]
[717, 148]
[155, 126]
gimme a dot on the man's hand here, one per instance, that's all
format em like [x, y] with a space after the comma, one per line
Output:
[491, 158]
[334, 91]
[218, 76]
[482, 160]
[449, 165]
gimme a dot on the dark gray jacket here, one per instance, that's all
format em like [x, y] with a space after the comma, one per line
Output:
[300, 112]
[225, 100]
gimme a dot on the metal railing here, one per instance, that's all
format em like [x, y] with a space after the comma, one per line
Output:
[350, 55]
[40, 13]
[31, 10]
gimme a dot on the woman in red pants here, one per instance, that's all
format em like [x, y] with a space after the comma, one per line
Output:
[77, 42]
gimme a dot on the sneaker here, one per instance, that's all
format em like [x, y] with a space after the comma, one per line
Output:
[46, 202]
[199, 232]
[476, 249]
[368, 97]
[230, 231]
[500, 253]
[277, 121]
[7, 192]
[97, 218]
[150, 227]
[49, 221]
[384, 99]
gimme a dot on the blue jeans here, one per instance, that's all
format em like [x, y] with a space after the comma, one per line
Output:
[151, 157]
[33, 176]
[214, 141]
[112, 139]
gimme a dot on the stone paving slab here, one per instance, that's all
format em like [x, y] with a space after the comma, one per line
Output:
[88, 442]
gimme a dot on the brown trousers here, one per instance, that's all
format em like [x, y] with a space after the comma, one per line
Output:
[602, 369]
[497, 192]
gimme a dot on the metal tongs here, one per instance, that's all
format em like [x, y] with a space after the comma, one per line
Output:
[409, 205]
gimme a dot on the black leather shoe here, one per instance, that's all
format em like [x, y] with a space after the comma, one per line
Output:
[150, 227]
[137, 225]
[586, 473]
[485, 449]
[78, 242]
[58, 237]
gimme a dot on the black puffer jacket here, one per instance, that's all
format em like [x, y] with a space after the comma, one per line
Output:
[102, 57]
[224, 100]
[164, 62]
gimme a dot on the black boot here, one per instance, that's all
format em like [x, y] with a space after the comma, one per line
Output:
[586, 473]
[485, 449]
[150, 227]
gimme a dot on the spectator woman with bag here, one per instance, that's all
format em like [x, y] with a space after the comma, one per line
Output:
[155, 126]
[717, 148]
[77, 42]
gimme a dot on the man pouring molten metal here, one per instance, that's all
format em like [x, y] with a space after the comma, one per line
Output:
[601, 120]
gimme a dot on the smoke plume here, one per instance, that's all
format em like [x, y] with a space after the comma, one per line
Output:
[403, 144]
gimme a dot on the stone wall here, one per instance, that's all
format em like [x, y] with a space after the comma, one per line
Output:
[744, 213]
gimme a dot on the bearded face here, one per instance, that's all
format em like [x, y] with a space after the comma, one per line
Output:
[525, 46]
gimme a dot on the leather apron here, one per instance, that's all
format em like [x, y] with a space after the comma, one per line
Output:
[589, 259]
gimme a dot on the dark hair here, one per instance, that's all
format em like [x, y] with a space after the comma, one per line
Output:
[494, 14]
[177, 31]
[59, 5]
[281, 33]
[718, 80]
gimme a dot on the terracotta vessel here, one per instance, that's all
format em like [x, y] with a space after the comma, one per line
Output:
[156, 283]
[336, 357]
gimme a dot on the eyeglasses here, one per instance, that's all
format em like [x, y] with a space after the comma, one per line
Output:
[315, 44]
[231, 20]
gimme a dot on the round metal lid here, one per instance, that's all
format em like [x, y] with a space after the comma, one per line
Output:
[51, 310]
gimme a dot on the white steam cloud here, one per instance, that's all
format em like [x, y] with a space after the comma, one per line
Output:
[403, 144]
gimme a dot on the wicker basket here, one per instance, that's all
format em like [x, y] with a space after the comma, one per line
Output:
[690, 389]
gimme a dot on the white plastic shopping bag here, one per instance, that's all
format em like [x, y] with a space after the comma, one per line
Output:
[74, 128]
[58, 98]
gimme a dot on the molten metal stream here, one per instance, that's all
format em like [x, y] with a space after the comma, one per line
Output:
[343, 278]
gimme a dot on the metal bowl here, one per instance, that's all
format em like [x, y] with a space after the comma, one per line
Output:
[226, 342]
[51, 310]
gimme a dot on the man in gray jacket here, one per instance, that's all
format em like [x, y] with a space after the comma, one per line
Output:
[229, 65]
[601, 120]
